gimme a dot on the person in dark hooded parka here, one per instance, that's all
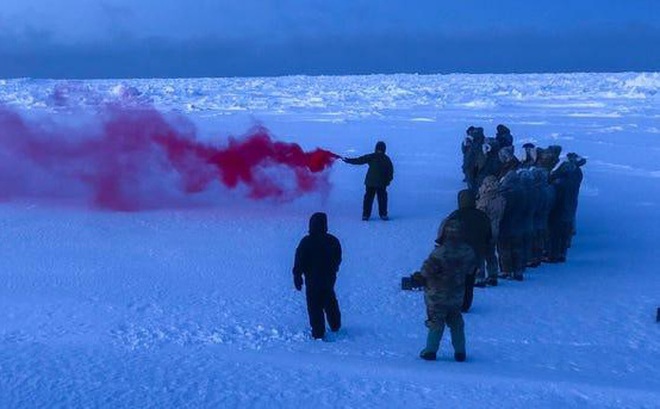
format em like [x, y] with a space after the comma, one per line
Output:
[546, 198]
[566, 179]
[510, 244]
[317, 259]
[473, 155]
[491, 163]
[531, 204]
[379, 176]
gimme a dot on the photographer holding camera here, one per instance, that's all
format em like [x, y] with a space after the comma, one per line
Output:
[445, 272]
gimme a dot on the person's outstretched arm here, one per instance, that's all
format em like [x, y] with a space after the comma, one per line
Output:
[362, 160]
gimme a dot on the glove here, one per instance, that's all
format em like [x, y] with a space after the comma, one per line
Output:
[298, 282]
[418, 279]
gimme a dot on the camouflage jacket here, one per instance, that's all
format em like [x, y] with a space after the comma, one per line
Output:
[492, 202]
[445, 271]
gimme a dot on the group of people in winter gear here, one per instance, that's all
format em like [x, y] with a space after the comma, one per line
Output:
[531, 203]
[514, 214]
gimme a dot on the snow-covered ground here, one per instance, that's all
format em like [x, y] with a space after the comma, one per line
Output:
[195, 307]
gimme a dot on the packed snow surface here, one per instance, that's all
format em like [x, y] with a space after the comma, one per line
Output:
[194, 305]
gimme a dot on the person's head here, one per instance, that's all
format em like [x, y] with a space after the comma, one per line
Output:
[478, 134]
[530, 151]
[469, 131]
[380, 147]
[318, 223]
[555, 150]
[576, 159]
[466, 198]
[502, 129]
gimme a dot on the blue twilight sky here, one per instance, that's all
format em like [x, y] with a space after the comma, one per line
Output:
[163, 38]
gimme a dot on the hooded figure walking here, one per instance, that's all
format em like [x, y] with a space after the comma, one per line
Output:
[318, 257]
[379, 176]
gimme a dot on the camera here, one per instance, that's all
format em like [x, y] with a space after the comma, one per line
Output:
[413, 282]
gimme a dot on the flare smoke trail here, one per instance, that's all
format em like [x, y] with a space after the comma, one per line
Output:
[135, 159]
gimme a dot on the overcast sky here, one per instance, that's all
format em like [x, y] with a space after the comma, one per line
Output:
[146, 38]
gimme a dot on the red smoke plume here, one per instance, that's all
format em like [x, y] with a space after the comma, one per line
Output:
[137, 159]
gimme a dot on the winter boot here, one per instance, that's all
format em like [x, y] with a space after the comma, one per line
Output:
[492, 281]
[459, 356]
[432, 345]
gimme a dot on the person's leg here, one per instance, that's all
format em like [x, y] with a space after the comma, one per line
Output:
[435, 323]
[554, 242]
[332, 312]
[565, 238]
[457, 328]
[469, 291]
[504, 250]
[518, 257]
[382, 202]
[315, 311]
[368, 202]
[430, 351]
[491, 267]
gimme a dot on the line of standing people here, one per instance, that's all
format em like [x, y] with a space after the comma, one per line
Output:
[531, 203]
[524, 209]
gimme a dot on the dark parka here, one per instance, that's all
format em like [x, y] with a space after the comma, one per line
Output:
[476, 232]
[476, 224]
[512, 222]
[473, 155]
[381, 170]
[317, 259]
[318, 255]
[491, 164]
[566, 179]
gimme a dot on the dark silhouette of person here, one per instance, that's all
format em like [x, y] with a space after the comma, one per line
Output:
[317, 259]
[379, 176]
